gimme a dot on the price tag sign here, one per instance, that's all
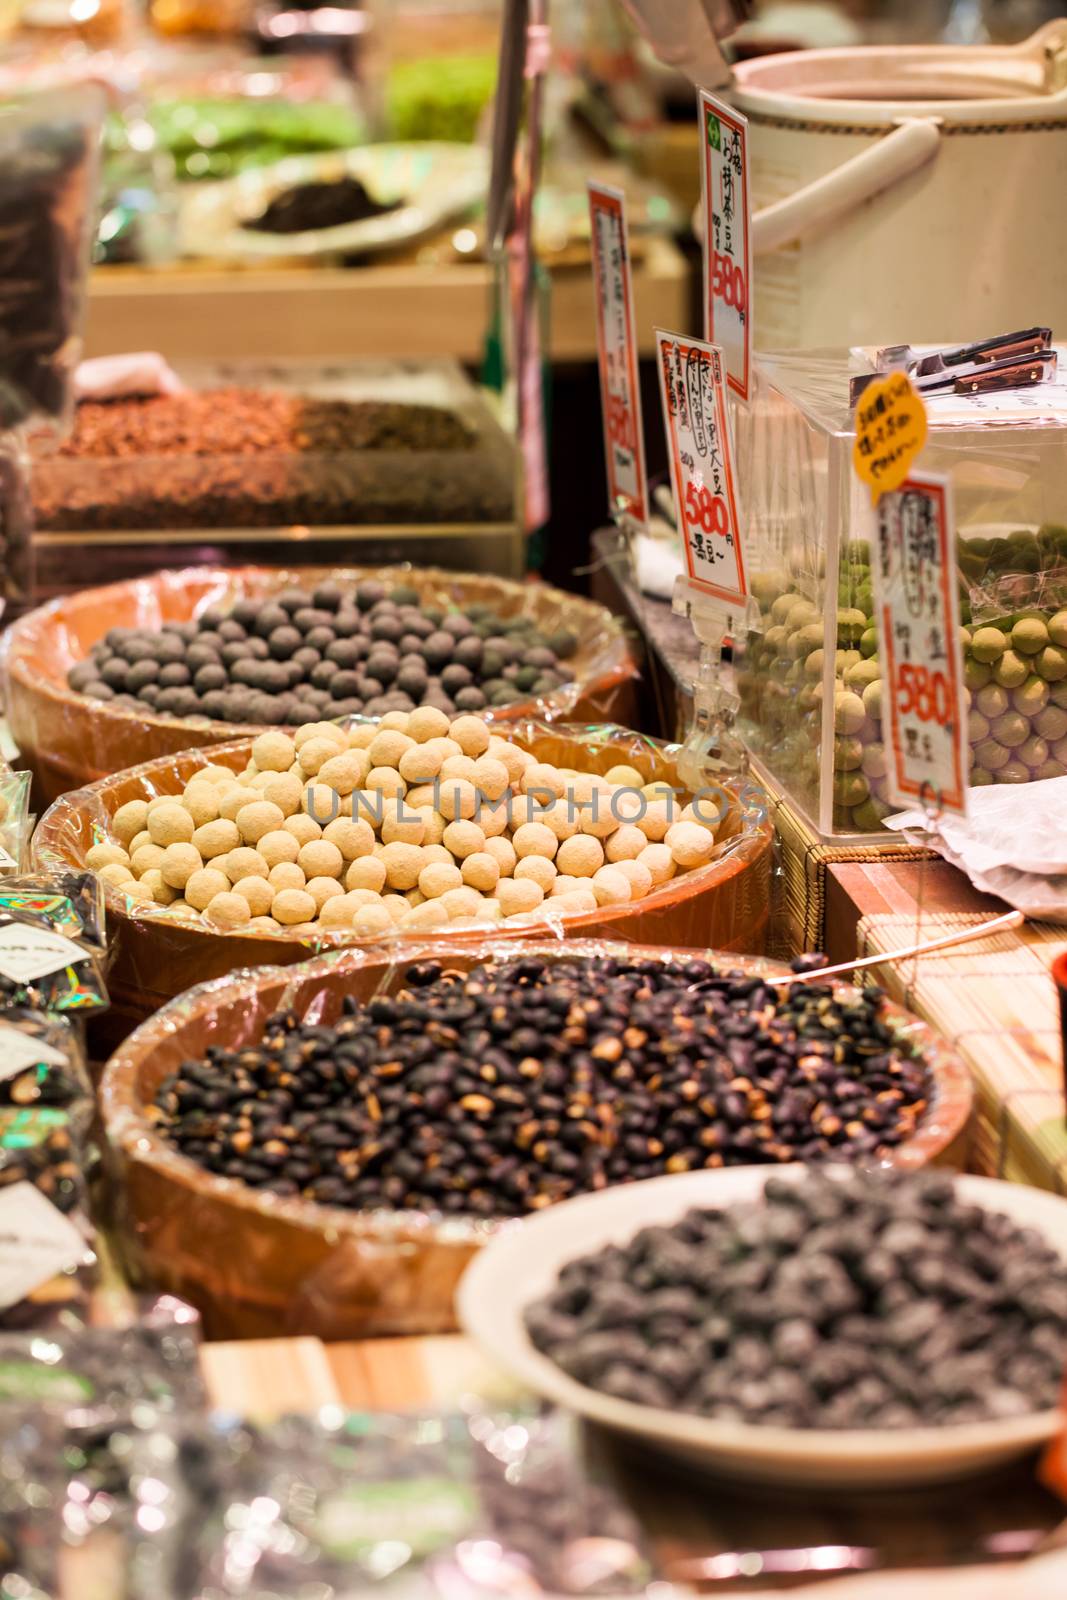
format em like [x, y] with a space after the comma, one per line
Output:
[620, 392]
[693, 389]
[890, 432]
[727, 238]
[924, 720]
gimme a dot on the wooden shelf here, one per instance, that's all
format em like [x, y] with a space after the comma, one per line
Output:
[398, 309]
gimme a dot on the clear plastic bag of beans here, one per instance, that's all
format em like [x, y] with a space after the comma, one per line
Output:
[53, 948]
[157, 954]
[480, 1503]
[70, 739]
[409, 1124]
[16, 824]
[42, 1061]
[47, 1263]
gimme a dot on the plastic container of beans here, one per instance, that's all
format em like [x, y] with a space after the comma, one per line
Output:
[725, 903]
[257, 1264]
[68, 739]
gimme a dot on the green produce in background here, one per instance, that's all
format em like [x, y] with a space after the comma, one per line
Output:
[440, 98]
[217, 138]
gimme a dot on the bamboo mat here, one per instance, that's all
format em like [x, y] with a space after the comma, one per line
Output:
[996, 1001]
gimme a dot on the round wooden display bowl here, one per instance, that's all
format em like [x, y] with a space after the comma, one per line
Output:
[69, 740]
[156, 956]
[256, 1265]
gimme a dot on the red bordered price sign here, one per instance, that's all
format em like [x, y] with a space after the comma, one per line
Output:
[727, 238]
[924, 720]
[620, 392]
[693, 389]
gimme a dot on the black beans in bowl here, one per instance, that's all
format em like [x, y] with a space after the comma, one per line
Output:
[308, 655]
[842, 1300]
[518, 1083]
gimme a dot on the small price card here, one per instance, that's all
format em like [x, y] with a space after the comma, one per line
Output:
[693, 388]
[620, 392]
[727, 238]
[890, 432]
[917, 609]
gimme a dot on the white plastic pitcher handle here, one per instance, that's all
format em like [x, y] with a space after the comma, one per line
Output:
[812, 209]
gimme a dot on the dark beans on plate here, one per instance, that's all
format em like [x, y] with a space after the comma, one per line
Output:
[506, 1088]
[328, 652]
[864, 1300]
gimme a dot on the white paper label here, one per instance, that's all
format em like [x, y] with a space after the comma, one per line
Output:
[36, 1243]
[18, 1051]
[727, 238]
[913, 568]
[620, 391]
[6, 859]
[27, 953]
[693, 390]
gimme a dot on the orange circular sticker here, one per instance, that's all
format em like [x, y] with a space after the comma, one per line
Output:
[890, 432]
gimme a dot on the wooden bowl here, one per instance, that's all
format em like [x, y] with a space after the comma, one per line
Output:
[68, 740]
[257, 1266]
[155, 956]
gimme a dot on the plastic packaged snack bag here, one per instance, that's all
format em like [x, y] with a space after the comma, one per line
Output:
[42, 1062]
[52, 943]
[47, 1264]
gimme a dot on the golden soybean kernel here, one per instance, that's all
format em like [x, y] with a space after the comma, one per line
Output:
[146, 857]
[284, 790]
[202, 887]
[286, 875]
[234, 799]
[490, 777]
[626, 843]
[170, 824]
[386, 781]
[458, 799]
[179, 863]
[115, 875]
[461, 903]
[580, 857]
[639, 877]
[471, 734]
[228, 910]
[322, 889]
[273, 752]
[480, 871]
[425, 723]
[503, 853]
[611, 888]
[244, 862]
[371, 920]
[535, 839]
[463, 839]
[107, 855]
[278, 846]
[690, 844]
[539, 775]
[320, 859]
[659, 861]
[517, 896]
[387, 748]
[343, 773]
[538, 870]
[337, 914]
[217, 838]
[438, 879]
[258, 892]
[366, 872]
[129, 820]
[302, 828]
[430, 915]
[202, 801]
[624, 777]
[293, 906]
[403, 863]
[352, 838]
[657, 819]
[399, 825]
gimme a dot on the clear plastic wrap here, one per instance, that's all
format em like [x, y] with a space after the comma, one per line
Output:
[42, 1061]
[69, 740]
[154, 1360]
[256, 1264]
[16, 825]
[53, 947]
[725, 904]
[809, 562]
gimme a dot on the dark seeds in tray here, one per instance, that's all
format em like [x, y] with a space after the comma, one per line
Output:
[877, 1300]
[301, 657]
[502, 1090]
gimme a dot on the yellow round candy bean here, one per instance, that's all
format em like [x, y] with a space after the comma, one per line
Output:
[481, 872]
[217, 838]
[659, 861]
[403, 863]
[106, 855]
[581, 856]
[427, 722]
[538, 870]
[292, 906]
[612, 888]
[371, 920]
[145, 857]
[244, 863]
[323, 889]
[258, 892]
[640, 879]
[471, 734]
[503, 853]
[170, 824]
[320, 859]
[286, 875]
[518, 896]
[273, 752]
[302, 828]
[202, 801]
[179, 863]
[624, 777]
[535, 839]
[366, 872]
[129, 820]
[438, 879]
[202, 887]
[284, 790]
[690, 844]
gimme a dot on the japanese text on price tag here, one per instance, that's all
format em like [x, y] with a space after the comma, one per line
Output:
[620, 394]
[693, 388]
[917, 611]
[727, 238]
[890, 432]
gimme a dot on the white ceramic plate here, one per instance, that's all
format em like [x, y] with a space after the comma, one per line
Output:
[522, 1263]
[433, 182]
